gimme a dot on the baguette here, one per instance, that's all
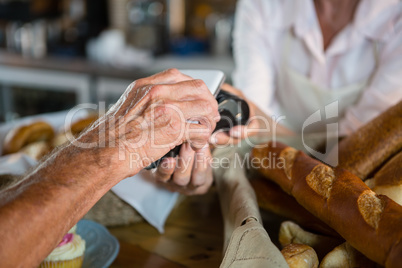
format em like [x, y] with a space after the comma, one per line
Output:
[300, 256]
[388, 180]
[271, 197]
[370, 223]
[364, 151]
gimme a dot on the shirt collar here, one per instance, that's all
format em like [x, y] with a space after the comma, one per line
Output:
[374, 18]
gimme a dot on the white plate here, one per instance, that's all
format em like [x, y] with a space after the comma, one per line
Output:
[101, 246]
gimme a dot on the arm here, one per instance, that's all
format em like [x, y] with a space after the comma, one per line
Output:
[35, 214]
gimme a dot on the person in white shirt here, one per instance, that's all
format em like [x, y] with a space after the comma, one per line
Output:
[296, 57]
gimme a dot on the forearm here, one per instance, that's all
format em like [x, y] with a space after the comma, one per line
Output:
[35, 214]
[44, 202]
[269, 126]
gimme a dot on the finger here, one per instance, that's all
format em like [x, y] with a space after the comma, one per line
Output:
[182, 90]
[221, 138]
[201, 111]
[165, 169]
[203, 189]
[190, 98]
[206, 186]
[233, 90]
[189, 190]
[241, 132]
[200, 167]
[185, 161]
[168, 76]
[197, 136]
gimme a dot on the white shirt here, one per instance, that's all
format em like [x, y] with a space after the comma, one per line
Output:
[369, 48]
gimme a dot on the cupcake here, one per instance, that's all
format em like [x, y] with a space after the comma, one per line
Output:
[68, 254]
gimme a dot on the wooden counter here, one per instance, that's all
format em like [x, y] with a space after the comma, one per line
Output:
[193, 237]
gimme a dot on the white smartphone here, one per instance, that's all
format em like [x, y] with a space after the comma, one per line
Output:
[212, 78]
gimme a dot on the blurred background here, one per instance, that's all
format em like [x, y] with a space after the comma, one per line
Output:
[55, 54]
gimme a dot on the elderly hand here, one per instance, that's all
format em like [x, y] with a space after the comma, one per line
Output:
[151, 118]
[191, 173]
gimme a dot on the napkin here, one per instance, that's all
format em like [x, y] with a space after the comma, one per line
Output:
[152, 202]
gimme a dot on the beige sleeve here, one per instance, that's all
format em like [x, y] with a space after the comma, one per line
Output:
[247, 244]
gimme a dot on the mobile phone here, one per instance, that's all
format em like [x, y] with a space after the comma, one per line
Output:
[212, 78]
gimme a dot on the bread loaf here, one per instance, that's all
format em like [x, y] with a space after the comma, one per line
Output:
[300, 256]
[24, 135]
[370, 223]
[346, 256]
[291, 233]
[370, 146]
[388, 180]
[272, 198]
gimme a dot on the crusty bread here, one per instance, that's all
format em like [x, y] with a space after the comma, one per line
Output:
[346, 256]
[24, 135]
[73, 131]
[370, 146]
[80, 125]
[36, 150]
[388, 180]
[370, 223]
[291, 233]
[272, 198]
[300, 256]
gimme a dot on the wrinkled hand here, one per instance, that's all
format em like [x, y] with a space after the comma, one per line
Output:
[151, 118]
[191, 172]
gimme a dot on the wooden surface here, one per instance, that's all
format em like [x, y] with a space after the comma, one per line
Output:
[193, 237]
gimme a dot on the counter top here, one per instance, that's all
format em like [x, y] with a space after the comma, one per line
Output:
[193, 237]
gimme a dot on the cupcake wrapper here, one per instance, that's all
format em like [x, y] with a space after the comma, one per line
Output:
[74, 263]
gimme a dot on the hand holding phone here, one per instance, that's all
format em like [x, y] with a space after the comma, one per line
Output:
[233, 110]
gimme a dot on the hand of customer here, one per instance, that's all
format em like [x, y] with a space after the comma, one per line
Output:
[191, 172]
[151, 118]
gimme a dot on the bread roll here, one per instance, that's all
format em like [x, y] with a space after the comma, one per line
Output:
[291, 233]
[388, 180]
[24, 135]
[272, 198]
[300, 256]
[370, 223]
[346, 256]
[77, 127]
[73, 131]
[370, 146]
[36, 150]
